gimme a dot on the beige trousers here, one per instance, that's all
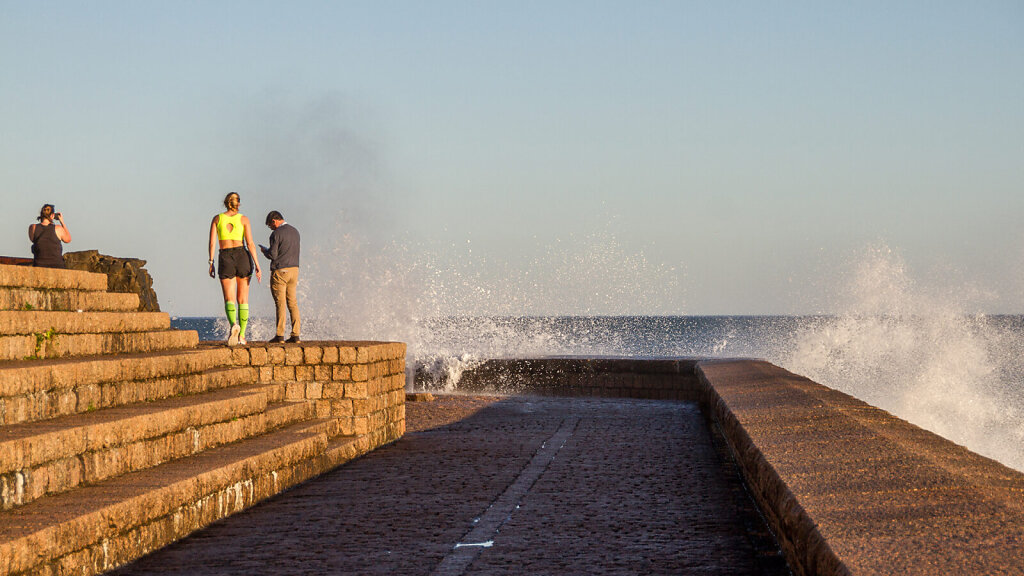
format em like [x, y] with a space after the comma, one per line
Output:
[283, 283]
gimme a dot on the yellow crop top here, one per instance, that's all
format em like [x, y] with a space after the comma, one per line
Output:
[229, 227]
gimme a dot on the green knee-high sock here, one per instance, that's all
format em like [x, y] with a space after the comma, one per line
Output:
[229, 307]
[243, 318]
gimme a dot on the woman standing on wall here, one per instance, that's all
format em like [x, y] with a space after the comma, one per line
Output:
[230, 230]
[46, 237]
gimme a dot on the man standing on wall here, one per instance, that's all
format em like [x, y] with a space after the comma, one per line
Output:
[283, 253]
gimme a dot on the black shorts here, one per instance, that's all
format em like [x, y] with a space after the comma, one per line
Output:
[234, 263]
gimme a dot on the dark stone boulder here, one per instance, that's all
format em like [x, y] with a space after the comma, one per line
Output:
[15, 261]
[123, 275]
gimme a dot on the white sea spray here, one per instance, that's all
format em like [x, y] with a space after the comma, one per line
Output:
[922, 352]
[920, 355]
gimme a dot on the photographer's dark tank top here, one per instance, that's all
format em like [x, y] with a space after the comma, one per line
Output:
[47, 250]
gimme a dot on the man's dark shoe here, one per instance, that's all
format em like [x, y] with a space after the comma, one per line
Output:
[294, 340]
[275, 340]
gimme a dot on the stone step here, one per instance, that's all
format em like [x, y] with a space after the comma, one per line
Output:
[51, 278]
[57, 455]
[37, 390]
[97, 527]
[276, 391]
[334, 429]
[64, 345]
[341, 449]
[67, 300]
[56, 403]
[14, 322]
[282, 411]
[283, 414]
[28, 377]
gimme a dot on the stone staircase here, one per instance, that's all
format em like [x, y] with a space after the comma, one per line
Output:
[119, 435]
[37, 304]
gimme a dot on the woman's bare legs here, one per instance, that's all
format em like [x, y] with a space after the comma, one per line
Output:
[243, 290]
[231, 289]
[227, 286]
[243, 308]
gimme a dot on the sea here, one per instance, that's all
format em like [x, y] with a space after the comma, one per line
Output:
[960, 376]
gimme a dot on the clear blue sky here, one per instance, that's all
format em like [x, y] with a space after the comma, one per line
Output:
[536, 157]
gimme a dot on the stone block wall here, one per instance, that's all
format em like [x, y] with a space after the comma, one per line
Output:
[653, 379]
[358, 384]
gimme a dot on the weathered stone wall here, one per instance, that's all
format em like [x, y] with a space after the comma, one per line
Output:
[664, 379]
[358, 384]
[851, 489]
[123, 275]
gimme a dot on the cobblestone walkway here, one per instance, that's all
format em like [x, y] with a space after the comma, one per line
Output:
[502, 486]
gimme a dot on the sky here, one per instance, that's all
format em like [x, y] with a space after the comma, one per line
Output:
[527, 157]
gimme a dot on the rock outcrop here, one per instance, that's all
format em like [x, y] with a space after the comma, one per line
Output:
[127, 275]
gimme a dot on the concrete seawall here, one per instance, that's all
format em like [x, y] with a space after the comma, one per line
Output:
[665, 379]
[846, 487]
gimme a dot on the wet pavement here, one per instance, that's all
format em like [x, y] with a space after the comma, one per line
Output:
[505, 486]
